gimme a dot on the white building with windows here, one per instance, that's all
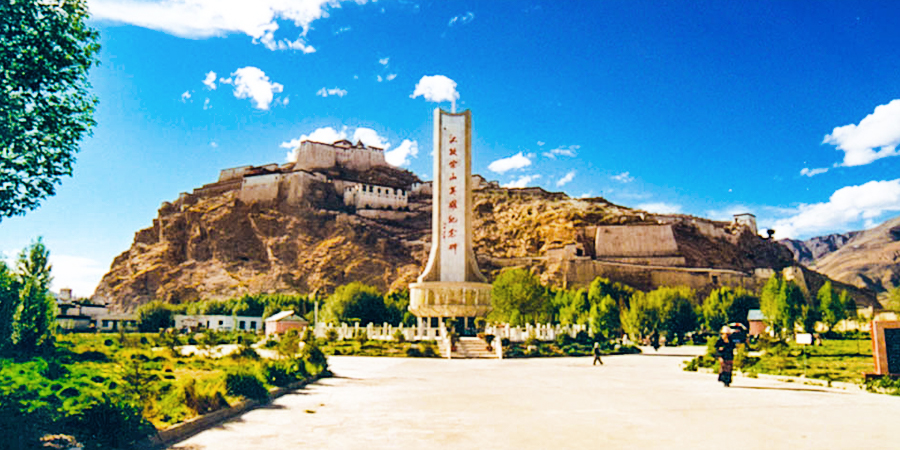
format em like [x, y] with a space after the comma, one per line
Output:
[219, 322]
[362, 196]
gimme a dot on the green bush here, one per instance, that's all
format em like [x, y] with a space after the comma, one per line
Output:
[399, 337]
[427, 349]
[414, 352]
[331, 335]
[111, 423]
[284, 372]
[245, 383]
[563, 339]
[201, 402]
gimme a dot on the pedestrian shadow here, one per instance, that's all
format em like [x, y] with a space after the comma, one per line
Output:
[795, 389]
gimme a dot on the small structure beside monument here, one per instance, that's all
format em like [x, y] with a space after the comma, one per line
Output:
[886, 348]
[451, 286]
[283, 321]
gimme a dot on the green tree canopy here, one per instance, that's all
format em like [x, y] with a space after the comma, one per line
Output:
[517, 294]
[35, 314]
[678, 313]
[355, 301]
[833, 311]
[9, 301]
[46, 51]
[154, 316]
[643, 316]
[726, 305]
[605, 318]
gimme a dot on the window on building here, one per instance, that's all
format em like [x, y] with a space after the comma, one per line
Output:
[220, 323]
[242, 325]
[715, 279]
[252, 325]
[105, 323]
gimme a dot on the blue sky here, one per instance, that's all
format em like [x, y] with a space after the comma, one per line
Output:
[788, 110]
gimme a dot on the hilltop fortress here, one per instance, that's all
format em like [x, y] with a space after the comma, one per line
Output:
[358, 174]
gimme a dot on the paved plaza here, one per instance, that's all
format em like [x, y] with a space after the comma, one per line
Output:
[635, 401]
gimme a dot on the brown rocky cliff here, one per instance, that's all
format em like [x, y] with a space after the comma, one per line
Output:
[215, 246]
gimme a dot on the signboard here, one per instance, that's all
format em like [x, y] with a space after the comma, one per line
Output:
[453, 160]
[886, 347]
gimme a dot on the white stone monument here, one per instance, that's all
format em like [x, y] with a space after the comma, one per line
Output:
[451, 286]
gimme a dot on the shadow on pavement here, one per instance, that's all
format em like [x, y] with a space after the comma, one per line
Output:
[797, 389]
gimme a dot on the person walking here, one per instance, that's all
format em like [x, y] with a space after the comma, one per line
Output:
[597, 354]
[725, 353]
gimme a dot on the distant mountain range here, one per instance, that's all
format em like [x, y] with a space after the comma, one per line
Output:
[867, 259]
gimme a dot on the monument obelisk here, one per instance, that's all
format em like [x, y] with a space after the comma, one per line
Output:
[451, 286]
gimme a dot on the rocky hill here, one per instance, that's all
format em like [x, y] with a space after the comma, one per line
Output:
[868, 259]
[211, 244]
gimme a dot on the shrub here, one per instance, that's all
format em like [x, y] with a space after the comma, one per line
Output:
[111, 423]
[582, 337]
[202, 402]
[504, 342]
[245, 352]
[278, 373]
[563, 339]
[427, 349]
[532, 341]
[414, 352]
[399, 337]
[245, 383]
[331, 335]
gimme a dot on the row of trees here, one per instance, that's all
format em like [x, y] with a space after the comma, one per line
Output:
[354, 302]
[611, 308]
[27, 310]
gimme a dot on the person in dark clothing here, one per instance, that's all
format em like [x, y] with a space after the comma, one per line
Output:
[725, 353]
[654, 341]
[597, 355]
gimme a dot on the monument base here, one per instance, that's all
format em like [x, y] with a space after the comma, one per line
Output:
[449, 299]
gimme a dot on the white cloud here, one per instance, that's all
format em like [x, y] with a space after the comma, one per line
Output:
[208, 18]
[213, 144]
[587, 194]
[660, 208]
[251, 82]
[436, 88]
[513, 162]
[77, 273]
[371, 138]
[540, 143]
[390, 76]
[563, 151]
[336, 91]
[566, 179]
[521, 181]
[210, 80]
[845, 207]
[881, 129]
[342, 30]
[379, 78]
[206, 104]
[807, 172]
[462, 19]
[185, 96]
[624, 177]
[384, 61]
[401, 155]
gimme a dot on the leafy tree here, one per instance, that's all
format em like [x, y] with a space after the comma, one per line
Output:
[9, 301]
[769, 300]
[893, 302]
[35, 315]
[355, 301]
[677, 312]
[833, 311]
[154, 316]
[517, 291]
[602, 287]
[397, 304]
[605, 319]
[849, 305]
[46, 51]
[643, 316]
[575, 308]
[788, 308]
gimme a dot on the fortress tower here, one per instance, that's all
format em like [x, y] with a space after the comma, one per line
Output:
[451, 286]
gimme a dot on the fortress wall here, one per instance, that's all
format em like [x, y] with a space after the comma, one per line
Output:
[359, 158]
[580, 273]
[635, 241]
[293, 186]
[385, 214]
[260, 188]
[233, 173]
[313, 155]
[650, 260]
[218, 188]
[709, 229]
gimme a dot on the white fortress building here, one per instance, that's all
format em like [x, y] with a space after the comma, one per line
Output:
[358, 174]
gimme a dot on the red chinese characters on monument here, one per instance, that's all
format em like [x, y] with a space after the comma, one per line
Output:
[453, 190]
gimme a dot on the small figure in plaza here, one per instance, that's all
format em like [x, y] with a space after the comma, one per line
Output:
[597, 354]
[725, 353]
[654, 340]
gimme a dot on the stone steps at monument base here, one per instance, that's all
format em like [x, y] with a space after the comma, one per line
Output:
[472, 347]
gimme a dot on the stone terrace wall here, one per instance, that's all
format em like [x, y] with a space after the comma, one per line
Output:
[635, 241]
